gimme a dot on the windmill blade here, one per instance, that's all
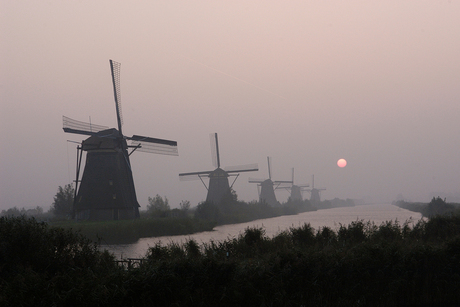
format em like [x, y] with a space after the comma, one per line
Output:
[214, 150]
[269, 159]
[153, 145]
[256, 180]
[283, 185]
[193, 175]
[79, 127]
[115, 69]
[242, 168]
[282, 182]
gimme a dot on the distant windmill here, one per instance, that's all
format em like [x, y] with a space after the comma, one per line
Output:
[295, 190]
[106, 189]
[315, 193]
[218, 178]
[266, 187]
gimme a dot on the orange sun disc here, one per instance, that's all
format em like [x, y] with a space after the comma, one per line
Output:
[342, 163]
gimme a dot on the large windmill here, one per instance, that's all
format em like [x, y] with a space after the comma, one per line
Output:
[294, 189]
[218, 178]
[315, 193]
[106, 190]
[266, 187]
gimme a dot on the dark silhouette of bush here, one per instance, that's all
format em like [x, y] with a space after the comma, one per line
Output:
[361, 264]
[42, 266]
[437, 206]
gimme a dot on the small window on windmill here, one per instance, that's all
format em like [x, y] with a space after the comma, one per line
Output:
[110, 182]
[114, 196]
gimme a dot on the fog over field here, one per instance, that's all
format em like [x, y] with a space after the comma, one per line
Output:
[305, 82]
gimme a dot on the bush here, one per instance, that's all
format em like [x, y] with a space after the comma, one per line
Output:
[42, 266]
[437, 206]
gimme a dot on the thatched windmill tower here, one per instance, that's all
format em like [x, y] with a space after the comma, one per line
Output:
[266, 187]
[219, 186]
[106, 190]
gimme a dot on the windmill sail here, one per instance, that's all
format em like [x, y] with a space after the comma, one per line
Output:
[115, 69]
[153, 145]
[242, 168]
[79, 127]
[214, 150]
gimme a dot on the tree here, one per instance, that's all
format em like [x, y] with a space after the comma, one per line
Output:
[63, 201]
[157, 206]
[437, 206]
[184, 205]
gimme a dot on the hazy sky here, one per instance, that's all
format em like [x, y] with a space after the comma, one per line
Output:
[305, 82]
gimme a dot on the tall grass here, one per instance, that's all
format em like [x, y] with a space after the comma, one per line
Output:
[361, 264]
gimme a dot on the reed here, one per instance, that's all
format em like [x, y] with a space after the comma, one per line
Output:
[361, 264]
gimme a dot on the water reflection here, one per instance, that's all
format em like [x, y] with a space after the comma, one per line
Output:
[330, 217]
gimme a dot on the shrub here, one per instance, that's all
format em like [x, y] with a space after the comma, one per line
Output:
[42, 266]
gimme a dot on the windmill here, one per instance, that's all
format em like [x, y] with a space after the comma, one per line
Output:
[106, 190]
[315, 193]
[218, 178]
[266, 187]
[295, 190]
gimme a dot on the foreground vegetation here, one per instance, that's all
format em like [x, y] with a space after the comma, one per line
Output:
[360, 264]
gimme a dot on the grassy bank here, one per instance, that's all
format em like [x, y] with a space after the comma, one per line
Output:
[176, 222]
[360, 264]
[128, 231]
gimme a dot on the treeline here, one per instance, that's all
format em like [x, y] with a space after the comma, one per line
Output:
[60, 208]
[160, 220]
[437, 206]
[360, 264]
[229, 211]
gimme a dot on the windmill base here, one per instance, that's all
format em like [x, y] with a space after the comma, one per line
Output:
[107, 214]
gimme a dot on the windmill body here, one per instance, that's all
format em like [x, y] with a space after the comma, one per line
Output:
[296, 194]
[315, 193]
[267, 187]
[106, 190]
[218, 187]
[107, 187]
[267, 193]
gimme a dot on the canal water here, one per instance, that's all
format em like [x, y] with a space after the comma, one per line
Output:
[332, 218]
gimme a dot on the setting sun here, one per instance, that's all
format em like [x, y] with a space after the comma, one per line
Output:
[342, 163]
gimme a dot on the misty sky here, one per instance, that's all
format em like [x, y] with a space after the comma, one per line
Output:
[305, 82]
